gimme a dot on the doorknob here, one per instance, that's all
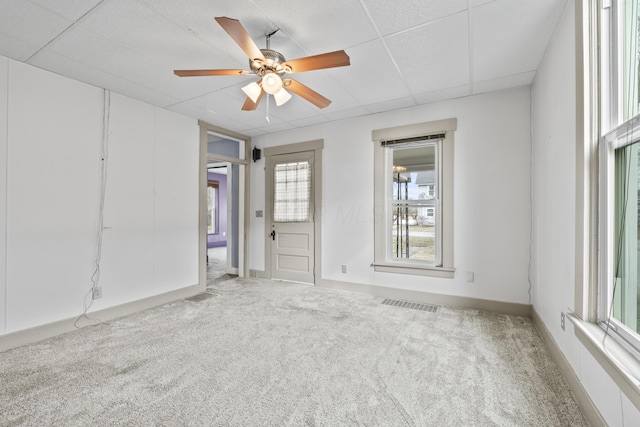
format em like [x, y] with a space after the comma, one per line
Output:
[273, 234]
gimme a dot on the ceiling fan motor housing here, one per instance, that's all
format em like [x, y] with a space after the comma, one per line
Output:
[274, 63]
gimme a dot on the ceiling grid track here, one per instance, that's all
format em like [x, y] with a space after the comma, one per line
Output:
[63, 32]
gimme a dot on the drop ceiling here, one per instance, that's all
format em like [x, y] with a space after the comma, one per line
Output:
[403, 52]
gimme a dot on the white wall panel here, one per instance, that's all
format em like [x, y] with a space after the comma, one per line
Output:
[176, 202]
[604, 392]
[4, 75]
[52, 181]
[127, 256]
[50, 150]
[630, 414]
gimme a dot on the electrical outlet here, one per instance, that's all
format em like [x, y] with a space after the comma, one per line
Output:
[562, 320]
[344, 269]
[97, 292]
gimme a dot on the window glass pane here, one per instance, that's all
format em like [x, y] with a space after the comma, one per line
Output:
[413, 176]
[292, 192]
[224, 146]
[627, 254]
[212, 207]
[413, 232]
[631, 74]
[414, 172]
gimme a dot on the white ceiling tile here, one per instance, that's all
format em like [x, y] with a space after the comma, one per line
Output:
[137, 26]
[29, 23]
[98, 52]
[96, 77]
[510, 37]
[17, 49]
[441, 95]
[348, 113]
[514, 80]
[390, 105]
[321, 26]
[272, 128]
[390, 18]
[197, 17]
[68, 9]
[435, 56]
[371, 77]
[476, 3]
[323, 82]
[309, 121]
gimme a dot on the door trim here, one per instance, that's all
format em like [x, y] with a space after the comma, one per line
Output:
[244, 202]
[316, 146]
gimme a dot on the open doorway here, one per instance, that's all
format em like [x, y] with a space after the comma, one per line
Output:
[224, 217]
[218, 215]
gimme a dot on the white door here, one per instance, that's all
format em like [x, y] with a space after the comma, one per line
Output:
[292, 217]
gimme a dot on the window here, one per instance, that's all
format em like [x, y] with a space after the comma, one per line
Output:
[414, 199]
[212, 207]
[408, 166]
[292, 191]
[619, 281]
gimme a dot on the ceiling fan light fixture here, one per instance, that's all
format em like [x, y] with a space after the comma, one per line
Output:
[281, 97]
[271, 83]
[253, 91]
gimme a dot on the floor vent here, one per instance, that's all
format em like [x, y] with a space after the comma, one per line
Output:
[412, 305]
[201, 297]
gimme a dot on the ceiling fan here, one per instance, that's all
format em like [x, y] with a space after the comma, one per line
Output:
[271, 66]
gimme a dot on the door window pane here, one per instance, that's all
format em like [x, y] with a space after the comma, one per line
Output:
[292, 192]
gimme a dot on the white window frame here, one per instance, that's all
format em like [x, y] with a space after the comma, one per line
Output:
[382, 259]
[594, 117]
[620, 137]
[622, 133]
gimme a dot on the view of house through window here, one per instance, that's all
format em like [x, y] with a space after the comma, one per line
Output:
[413, 176]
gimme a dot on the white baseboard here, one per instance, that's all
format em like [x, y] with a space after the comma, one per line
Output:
[260, 274]
[431, 298]
[37, 333]
[589, 410]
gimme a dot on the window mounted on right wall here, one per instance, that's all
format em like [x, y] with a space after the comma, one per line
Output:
[619, 210]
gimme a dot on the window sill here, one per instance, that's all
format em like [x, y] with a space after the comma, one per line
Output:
[443, 272]
[622, 366]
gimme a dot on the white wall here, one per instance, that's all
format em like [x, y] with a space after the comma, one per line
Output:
[491, 196]
[4, 73]
[554, 145]
[53, 184]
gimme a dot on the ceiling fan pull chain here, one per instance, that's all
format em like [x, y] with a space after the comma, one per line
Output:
[267, 117]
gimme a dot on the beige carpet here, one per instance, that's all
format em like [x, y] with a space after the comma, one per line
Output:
[268, 353]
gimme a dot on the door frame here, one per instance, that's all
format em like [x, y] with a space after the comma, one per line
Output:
[229, 212]
[243, 203]
[316, 146]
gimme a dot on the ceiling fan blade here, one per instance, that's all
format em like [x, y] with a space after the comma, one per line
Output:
[196, 73]
[339, 58]
[234, 28]
[307, 93]
[249, 105]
